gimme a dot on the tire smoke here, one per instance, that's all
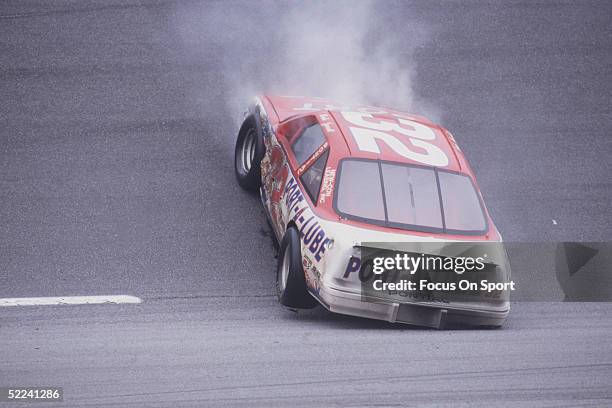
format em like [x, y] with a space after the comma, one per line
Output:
[355, 52]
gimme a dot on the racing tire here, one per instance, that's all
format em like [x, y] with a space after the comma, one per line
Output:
[291, 286]
[248, 154]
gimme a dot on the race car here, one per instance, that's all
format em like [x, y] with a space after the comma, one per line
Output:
[335, 180]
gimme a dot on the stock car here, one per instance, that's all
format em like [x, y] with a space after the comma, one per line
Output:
[333, 178]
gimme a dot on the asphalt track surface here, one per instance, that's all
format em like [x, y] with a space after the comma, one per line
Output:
[116, 178]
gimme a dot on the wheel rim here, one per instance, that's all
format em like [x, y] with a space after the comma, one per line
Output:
[285, 270]
[247, 153]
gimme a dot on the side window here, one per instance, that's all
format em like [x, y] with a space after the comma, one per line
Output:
[307, 143]
[311, 179]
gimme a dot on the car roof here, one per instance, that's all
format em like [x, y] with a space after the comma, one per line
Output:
[378, 133]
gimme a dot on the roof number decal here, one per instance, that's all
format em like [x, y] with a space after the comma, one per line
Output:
[369, 130]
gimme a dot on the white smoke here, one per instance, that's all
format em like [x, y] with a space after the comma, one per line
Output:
[350, 51]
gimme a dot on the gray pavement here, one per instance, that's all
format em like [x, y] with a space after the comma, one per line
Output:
[244, 351]
[117, 123]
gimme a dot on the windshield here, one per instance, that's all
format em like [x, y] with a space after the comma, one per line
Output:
[411, 197]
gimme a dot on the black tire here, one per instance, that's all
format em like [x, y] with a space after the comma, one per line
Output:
[291, 285]
[249, 151]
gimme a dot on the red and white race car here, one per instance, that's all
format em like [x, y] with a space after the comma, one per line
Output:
[333, 178]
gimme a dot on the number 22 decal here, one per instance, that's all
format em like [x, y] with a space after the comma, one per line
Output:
[368, 131]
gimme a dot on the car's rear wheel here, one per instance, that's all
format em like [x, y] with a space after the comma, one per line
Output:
[248, 154]
[290, 281]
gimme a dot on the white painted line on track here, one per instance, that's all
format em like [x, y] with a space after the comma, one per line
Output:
[70, 300]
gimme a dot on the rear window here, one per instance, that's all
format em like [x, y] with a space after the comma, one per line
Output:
[411, 197]
[462, 210]
[356, 200]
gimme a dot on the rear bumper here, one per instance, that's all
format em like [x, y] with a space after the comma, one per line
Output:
[429, 315]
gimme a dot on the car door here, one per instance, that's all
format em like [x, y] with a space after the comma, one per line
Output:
[299, 142]
[307, 156]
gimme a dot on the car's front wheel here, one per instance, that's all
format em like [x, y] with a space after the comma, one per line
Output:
[290, 281]
[248, 154]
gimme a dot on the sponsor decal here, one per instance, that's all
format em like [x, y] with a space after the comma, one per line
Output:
[313, 236]
[312, 158]
[274, 175]
[310, 106]
[327, 185]
[312, 274]
[323, 105]
[266, 128]
[353, 265]
[326, 122]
